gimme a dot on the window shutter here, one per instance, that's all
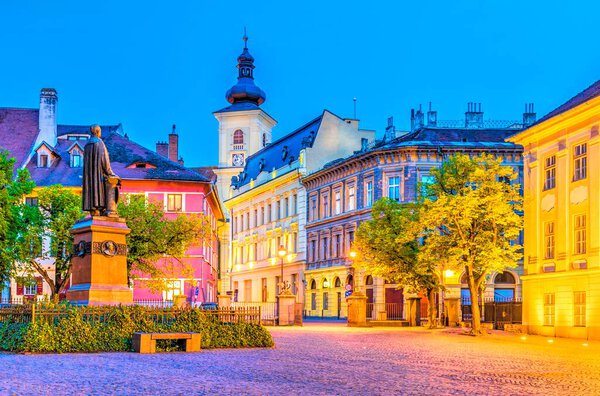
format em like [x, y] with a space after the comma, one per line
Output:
[40, 286]
[19, 289]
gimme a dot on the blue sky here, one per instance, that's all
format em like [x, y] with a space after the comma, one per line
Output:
[151, 64]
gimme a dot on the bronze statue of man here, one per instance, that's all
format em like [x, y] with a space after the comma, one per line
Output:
[100, 194]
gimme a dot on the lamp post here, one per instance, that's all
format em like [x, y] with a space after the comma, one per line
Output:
[357, 282]
[281, 252]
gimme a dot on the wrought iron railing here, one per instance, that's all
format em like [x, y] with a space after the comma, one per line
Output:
[394, 311]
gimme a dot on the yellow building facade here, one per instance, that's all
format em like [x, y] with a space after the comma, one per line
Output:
[561, 285]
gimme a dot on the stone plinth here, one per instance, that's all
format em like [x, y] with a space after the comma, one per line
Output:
[224, 300]
[99, 264]
[414, 310]
[453, 310]
[287, 303]
[357, 310]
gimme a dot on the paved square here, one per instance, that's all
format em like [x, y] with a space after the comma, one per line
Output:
[331, 359]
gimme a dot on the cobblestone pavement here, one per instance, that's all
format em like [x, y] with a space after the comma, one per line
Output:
[331, 359]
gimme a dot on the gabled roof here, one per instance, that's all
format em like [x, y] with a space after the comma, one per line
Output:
[84, 129]
[18, 131]
[587, 94]
[48, 146]
[272, 156]
[77, 144]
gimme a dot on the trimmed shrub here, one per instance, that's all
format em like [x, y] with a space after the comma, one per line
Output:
[74, 331]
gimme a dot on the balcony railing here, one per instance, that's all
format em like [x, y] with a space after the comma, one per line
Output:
[238, 146]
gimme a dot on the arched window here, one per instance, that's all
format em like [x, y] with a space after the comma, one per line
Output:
[369, 280]
[313, 284]
[337, 282]
[350, 280]
[504, 278]
[238, 137]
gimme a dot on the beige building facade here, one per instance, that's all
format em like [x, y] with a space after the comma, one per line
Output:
[561, 285]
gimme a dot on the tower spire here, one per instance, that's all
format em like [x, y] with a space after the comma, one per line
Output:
[245, 38]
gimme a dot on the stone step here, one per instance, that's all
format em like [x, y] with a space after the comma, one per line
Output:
[388, 323]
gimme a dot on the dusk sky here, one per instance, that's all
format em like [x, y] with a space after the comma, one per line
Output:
[151, 64]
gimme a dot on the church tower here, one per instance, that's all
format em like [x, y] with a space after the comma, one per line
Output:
[244, 128]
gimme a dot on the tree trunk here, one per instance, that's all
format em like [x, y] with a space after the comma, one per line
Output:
[475, 310]
[432, 309]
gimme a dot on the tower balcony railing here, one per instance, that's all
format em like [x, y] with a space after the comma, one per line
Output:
[238, 146]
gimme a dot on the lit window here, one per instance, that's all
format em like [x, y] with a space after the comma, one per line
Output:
[351, 198]
[550, 173]
[76, 160]
[580, 162]
[549, 240]
[579, 309]
[369, 194]
[549, 309]
[394, 188]
[174, 203]
[295, 204]
[580, 234]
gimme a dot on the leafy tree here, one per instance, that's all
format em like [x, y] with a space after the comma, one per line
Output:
[44, 236]
[388, 246]
[13, 188]
[471, 220]
[157, 245]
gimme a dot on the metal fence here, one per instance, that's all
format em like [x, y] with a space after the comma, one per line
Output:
[104, 314]
[496, 311]
[370, 310]
[154, 303]
[394, 311]
[268, 310]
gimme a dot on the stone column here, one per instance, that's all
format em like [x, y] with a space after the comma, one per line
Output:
[224, 300]
[453, 311]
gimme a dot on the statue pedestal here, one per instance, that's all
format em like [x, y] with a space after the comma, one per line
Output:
[99, 264]
[286, 309]
[224, 300]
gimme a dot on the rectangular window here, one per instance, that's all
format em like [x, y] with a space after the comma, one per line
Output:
[394, 188]
[325, 246]
[174, 202]
[31, 201]
[325, 301]
[313, 250]
[278, 213]
[579, 309]
[313, 301]
[269, 212]
[338, 202]
[255, 252]
[286, 207]
[295, 204]
[336, 245]
[549, 309]
[325, 206]
[43, 162]
[549, 240]
[255, 217]
[264, 289]
[351, 198]
[313, 209]
[262, 215]
[30, 289]
[76, 160]
[580, 162]
[369, 194]
[295, 242]
[550, 173]
[580, 234]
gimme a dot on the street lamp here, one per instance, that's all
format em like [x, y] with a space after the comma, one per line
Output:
[281, 252]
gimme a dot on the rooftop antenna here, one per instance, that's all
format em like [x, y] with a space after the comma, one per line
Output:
[354, 108]
[245, 38]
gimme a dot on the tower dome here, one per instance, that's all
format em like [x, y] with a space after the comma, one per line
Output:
[245, 91]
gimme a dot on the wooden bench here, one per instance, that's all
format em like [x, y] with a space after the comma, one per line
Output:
[146, 342]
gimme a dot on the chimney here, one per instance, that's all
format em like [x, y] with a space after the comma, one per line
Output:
[473, 115]
[47, 117]
[529, 115]
[431, 117]
[416, 119]
[173, 145]
[390, 130]
[162, 149]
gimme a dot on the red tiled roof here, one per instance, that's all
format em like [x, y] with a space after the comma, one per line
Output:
[18, 131]
[587, 94]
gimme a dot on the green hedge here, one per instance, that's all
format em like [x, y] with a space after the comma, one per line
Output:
[73, 333]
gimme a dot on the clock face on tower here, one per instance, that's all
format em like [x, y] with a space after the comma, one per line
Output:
[237, 159]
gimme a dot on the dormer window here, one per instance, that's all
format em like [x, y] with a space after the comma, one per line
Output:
[141, 165]
[43, 161]
[76, 160]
